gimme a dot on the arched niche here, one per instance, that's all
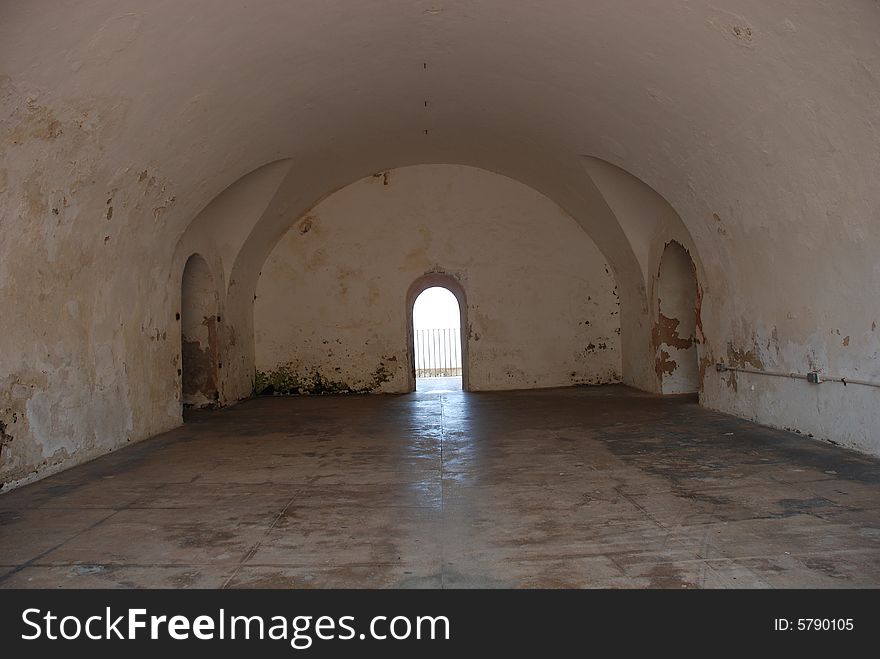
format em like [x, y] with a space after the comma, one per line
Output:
[199, 335]
[675, 328]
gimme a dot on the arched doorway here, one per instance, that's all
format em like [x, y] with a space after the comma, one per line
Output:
[675, 330]
[437, 332]
[198, 335]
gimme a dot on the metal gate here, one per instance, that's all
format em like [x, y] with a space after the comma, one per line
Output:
[437, 352]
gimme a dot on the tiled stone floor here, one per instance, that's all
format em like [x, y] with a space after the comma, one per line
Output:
[582, 487]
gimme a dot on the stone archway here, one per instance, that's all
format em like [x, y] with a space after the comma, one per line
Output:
[450, 283]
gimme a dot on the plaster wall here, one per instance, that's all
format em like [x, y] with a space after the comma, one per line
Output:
[331, 312]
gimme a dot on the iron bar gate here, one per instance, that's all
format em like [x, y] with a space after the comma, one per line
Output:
[437, 352]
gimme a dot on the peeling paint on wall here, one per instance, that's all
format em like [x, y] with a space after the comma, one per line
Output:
[73, 362]
[666, 332]
[675, 332]
[741, 358]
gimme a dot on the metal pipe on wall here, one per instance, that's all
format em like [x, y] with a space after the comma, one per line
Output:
[814, 377]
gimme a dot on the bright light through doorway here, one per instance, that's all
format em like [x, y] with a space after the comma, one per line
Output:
[437, 341]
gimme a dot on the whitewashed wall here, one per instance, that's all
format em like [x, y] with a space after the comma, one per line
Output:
[330, 312]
